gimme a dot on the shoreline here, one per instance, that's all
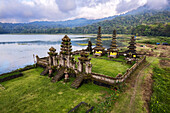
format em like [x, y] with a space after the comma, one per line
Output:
[19, 69]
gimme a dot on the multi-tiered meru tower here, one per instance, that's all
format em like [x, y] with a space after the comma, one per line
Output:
[99, 49]
[65, 54]
[113, 50]
[132, 48]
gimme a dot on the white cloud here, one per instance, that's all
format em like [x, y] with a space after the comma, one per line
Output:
[66, 5]
[95, 10]
[157, 4]
[54, 10]
[26, 11]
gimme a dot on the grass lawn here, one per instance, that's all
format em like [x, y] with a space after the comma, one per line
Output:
[107, 67]
[36, 93]
[152, 39]
[160, 100]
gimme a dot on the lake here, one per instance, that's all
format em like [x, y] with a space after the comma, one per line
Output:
[16, 51]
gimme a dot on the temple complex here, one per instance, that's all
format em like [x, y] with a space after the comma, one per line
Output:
[113, 50]
[66, 66]
[99, 49]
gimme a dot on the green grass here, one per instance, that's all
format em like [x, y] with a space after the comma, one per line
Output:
[160, 100]
[107, 67]
[10, 74]
[35, 93]
[122, 105]
[120, 58]
[153, 40]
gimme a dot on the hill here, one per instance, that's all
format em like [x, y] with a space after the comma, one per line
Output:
[124, 24]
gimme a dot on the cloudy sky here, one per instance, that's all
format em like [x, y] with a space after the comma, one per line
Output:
[54, 10]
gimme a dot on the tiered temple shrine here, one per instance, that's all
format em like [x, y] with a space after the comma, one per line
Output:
[84, 60]
[65, 54]
[113, 50]
[52, 56]
[132, 48]
[99, 49]
[89, 48]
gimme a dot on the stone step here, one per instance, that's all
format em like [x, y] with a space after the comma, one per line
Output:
[77, 82]
[45, 71]
[58, 76]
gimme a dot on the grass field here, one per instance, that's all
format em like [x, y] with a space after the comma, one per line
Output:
[35, 93]
[107, 67]
[160, 100]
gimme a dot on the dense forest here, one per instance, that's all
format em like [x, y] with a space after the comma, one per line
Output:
[152, 30]
[147, 24]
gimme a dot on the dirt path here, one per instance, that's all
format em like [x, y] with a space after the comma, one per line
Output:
[137, 81]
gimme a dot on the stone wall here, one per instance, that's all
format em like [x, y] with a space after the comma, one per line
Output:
[77, 52]
[11, 77]
[111, 80]
[42, 61]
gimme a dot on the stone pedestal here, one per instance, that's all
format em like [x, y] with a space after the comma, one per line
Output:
[80, 67]
[61, 61]
[50, 61]
[74, 65]
[54, 60]
[50, 72]
[88, 67]
[68, 61]
[37, 59]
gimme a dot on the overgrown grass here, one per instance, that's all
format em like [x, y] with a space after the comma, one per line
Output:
[107, 67]
[153, 40]
[105, 106]
[35, 93]
[160, 100]
[120, 58]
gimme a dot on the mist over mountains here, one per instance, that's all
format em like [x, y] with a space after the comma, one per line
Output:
[45, 26]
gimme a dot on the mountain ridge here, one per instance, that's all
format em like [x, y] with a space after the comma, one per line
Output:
[79, 22]
[139, 16]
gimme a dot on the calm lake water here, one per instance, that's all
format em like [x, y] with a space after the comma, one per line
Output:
[16, 51]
